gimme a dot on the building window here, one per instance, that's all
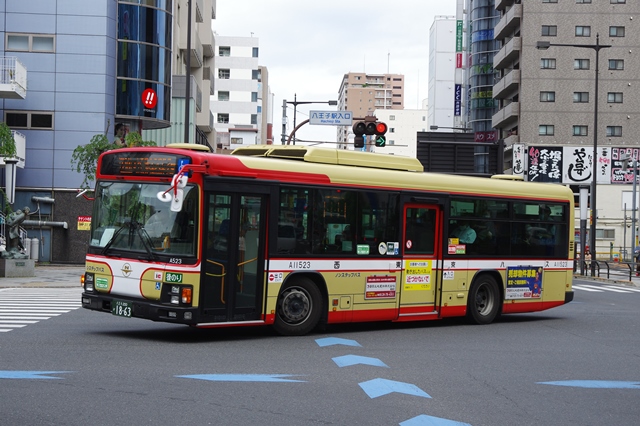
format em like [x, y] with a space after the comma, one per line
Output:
[255, 75]
[237, 141]
[31, 43]
[580, 97]
[391, 142]
[254, 118]
[580, 130]
[549, 30]
[581, 64]
[583, 31]
[254, 53]
[223, 96]
[223, 118]
[549, 1]
[617, 1]
[616, 31]
[614, 97]
[392, 129]
[224, 51]
[616, 64]
[547, 96]
[546, 130]
[614, 131]
[547, 64]
[583, 1]
[254, 96]
[224, 74]
[393, 117]
[29, 119]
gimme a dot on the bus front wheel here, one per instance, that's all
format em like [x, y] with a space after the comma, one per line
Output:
[484, 300]
[298, 308]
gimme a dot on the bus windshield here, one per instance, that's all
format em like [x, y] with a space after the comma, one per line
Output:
[129, 216]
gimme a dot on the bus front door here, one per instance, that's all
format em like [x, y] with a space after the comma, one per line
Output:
[232, 279]
[421, 260]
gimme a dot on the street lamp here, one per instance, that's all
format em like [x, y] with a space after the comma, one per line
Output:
[295, 104]
[464, 129]
[544, 45]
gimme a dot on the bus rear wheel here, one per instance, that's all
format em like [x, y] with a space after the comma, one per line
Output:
[298, 308]
[484, 300]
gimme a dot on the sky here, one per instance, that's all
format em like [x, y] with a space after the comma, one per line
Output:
[308, 47]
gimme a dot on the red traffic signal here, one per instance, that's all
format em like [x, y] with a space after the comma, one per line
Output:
[381, 128]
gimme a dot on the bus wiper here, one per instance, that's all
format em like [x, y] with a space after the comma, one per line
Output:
[113, 239]
[145, 238]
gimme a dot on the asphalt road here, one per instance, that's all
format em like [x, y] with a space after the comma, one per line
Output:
[573, 365]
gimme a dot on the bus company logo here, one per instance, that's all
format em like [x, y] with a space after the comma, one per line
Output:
[157, 276]
[126, 270]
[336, 264]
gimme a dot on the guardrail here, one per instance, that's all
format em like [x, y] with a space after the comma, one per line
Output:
[608, 269]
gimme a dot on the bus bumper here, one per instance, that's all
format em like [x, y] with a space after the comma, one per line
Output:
[568, 296]
[142, 309]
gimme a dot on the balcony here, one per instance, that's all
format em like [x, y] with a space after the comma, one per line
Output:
[13, 78]
[199, 11]
[196, 47]
[506, 116]
[507, 85]
[205, 33]
[502, 4]
[509, 22]
[508, 54]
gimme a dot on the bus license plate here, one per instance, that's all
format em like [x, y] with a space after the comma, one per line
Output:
[121, 308]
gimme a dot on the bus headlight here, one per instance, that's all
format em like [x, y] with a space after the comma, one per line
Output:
[89, 278]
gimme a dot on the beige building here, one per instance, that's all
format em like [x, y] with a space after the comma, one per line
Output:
[363, 93]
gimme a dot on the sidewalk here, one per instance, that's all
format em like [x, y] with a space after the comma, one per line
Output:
[48, 276]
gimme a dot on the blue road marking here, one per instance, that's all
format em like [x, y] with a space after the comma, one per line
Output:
[424, 420]
[328, 341]
[379, 387]
[243, 377]
[30, 374]
[347, 360]
[595, 384]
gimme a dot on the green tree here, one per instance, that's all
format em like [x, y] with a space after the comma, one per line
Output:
[85, 157]
[7, 150]
[7, 142]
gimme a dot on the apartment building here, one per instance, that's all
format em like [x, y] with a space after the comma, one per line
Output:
[555, 102]
[363, 93]
[241, 96]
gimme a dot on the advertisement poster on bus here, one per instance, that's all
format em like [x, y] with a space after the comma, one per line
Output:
[380, 287]
[524, 282]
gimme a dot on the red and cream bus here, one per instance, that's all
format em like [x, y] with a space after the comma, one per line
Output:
[295, 236]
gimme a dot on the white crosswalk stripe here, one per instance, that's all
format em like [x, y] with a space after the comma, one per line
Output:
[20, 307]
[603, 288]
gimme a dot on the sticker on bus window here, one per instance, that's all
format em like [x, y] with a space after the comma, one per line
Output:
[362, 249]
[457, 249]
[382, 248]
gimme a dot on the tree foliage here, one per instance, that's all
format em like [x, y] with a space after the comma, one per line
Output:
[85, 157]
[7, 142]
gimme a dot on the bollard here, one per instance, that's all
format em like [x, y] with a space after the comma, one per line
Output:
[35, 249]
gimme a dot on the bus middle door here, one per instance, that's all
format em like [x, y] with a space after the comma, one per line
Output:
[232, 281]
[421, 261]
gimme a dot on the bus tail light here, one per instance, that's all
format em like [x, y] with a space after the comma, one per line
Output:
[186, 295]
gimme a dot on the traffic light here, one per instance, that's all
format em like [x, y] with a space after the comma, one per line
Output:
[370, 127]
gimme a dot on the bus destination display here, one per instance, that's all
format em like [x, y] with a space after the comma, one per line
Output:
[142, 163]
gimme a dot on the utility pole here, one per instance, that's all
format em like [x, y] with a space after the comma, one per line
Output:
[284, 121]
